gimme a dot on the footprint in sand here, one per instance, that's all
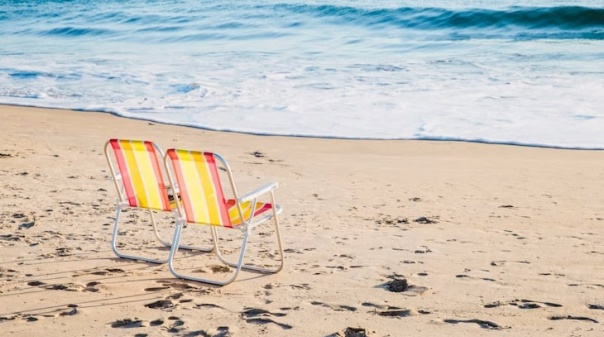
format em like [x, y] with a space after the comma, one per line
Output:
[9, 318]
[425, 220]
[182, 287]
[70, 312]
[588, 285]
[223, 331]
[91, 286]
[252, 312]
[219, 269]
[335, 307]
[482, 323]
[302, 286]
[177, 326]
[30, 318]
[396, 312]
[156, 322]
[161, 304]
[392, 311]
[422, 250]
[392, 221]
[207, 305]
[65, 287]
[261, 316]
[502, 262]
[577, 318]
[523, 304]
[351, 332]
[156, 288]
[108, 271]
[127, 323]
[27, 318]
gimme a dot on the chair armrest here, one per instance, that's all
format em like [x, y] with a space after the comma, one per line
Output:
[257, 192]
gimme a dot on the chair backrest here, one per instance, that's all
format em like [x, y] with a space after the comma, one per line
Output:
[138, 164]
[201, 195]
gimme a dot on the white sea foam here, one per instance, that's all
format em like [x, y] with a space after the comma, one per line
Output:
[305, 76]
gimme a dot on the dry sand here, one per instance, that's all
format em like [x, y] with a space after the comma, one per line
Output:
[492, 240]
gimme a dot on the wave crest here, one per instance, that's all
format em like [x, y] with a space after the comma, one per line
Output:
[560, 18]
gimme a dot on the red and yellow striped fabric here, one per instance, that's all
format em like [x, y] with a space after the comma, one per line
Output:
[141, 174]
[201, 191]
[246, 207]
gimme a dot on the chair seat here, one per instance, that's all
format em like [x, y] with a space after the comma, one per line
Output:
[246, 207]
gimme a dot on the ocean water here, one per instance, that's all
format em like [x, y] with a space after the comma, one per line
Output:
[529, 73]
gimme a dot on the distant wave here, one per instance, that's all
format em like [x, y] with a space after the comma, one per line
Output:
[579, 22]
[516, 22]
[563, 17]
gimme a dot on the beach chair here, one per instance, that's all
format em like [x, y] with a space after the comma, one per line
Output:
[203, 202]
[137, 169]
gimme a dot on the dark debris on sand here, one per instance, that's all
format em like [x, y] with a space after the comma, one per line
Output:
[354, 332]
[160, 304]
[9, 318]
[395, 312]
[388, 220]
[397, 285]
[70, 312]
[350, 332]
[27, 225]
[127, 323]
[425, 220]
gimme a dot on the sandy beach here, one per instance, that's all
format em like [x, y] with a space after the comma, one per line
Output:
[489, 240]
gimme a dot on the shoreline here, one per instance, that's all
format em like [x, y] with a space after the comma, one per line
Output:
[488, 236]
[428, 139]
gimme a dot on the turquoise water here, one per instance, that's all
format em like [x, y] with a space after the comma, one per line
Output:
[481, 71]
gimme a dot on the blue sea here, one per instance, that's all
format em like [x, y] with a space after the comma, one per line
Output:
[528, 73]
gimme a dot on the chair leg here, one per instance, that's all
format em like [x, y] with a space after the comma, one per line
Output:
[114, 242]
[168, 243]
[251, 267]
[165, 243]
[174, 250]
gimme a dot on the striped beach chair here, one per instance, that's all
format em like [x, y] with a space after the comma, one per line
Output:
[202, 201]
[137, 170]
